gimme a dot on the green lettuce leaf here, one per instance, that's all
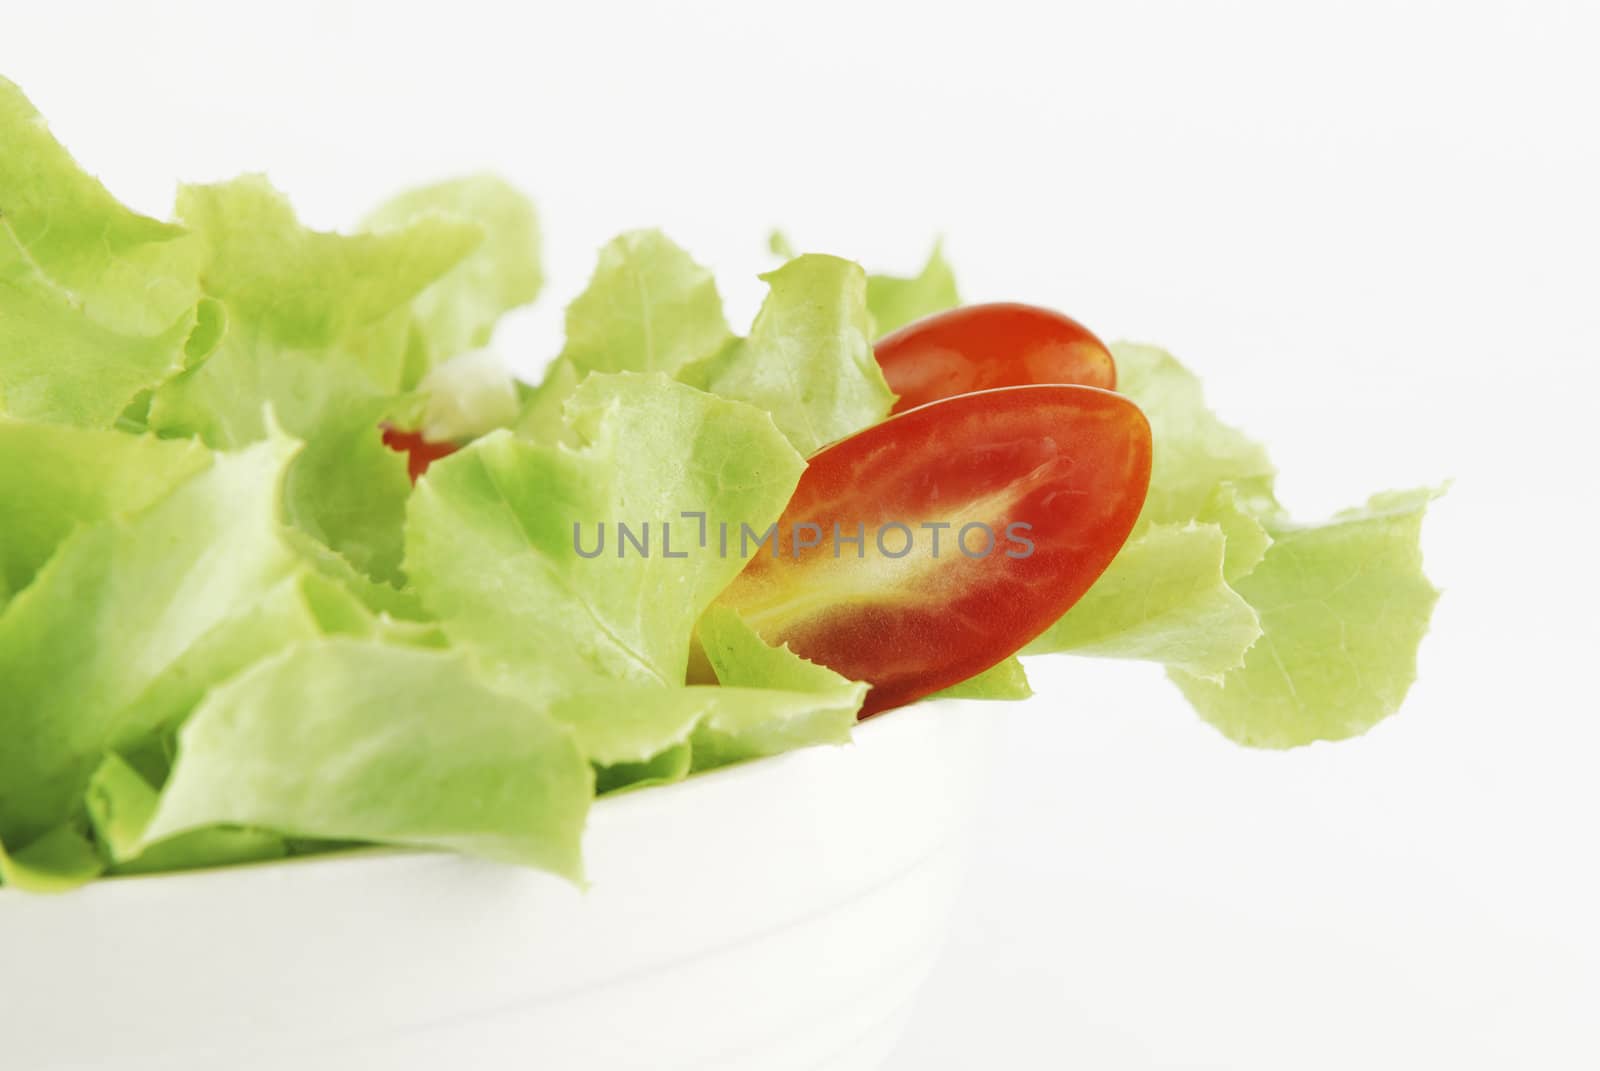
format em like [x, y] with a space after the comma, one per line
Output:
[1196, 453]
[85, 647]
[808, 360]
[202, 849]
[397, 605]
[1344, 606]
[412, 749]
[1279, 634]
[755, 723]
[60, 366]
[54, 478]
[125, 273]
[120, 803]
[458, 312]
[1245, 536]
[1167, 596]
[671, 765]
[630, 726]
[740, 658]
[318, 333]
[58, 861]
[543, 407]
[348, 490]
[895, 301]
[771, 700]
[310, 290]
[305, 604]
[1005, 680]
[204, 614]
[648, 308]
[491, 533]
[1163, 599]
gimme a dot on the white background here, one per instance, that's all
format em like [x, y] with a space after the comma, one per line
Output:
[1374, 231]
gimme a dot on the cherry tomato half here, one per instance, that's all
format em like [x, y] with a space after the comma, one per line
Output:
[981, 519]
[420, 452]
[979, 347]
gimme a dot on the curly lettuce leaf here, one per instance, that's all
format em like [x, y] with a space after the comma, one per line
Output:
[85, 647]
[622, 727]
[543, 406]
[305, 604]
[895, 301]
[58, 861]
[492, 549]
[1279, 634]
[808, 360]
[482, 772]
[1005, 680]
[755, 723]
[1344, 606]
[740, 658]
[1245, 536]
[1165, 599]
[307, 289]
[59, 365]
[134, 618]
[54, 478]
[121, 803]
[119, 797]
[648, 308]
[317, 333]
[1196, 453]
[348, 490]
[459, 310]
[125, 273]
[771, 700]
[202, 849]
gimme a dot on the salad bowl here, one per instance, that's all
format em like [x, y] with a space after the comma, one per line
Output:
[775, 915]
[290, 560]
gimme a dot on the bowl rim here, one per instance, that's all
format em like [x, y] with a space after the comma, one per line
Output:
[876, 727]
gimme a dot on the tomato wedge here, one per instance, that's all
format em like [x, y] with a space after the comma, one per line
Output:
[420, 452]
[981, 519]
[980, 347]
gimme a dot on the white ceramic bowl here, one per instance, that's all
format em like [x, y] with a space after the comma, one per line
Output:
[773, 916]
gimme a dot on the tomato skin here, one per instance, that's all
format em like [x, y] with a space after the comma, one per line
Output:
[420, 452]
[980, 347]
[1072, 462]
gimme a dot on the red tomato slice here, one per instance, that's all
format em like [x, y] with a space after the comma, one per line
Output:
[1072, 464]
[980, 347]
[420, 452]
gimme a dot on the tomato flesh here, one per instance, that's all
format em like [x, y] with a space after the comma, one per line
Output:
[420, 452]
[1072, 463]
[980, 347]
